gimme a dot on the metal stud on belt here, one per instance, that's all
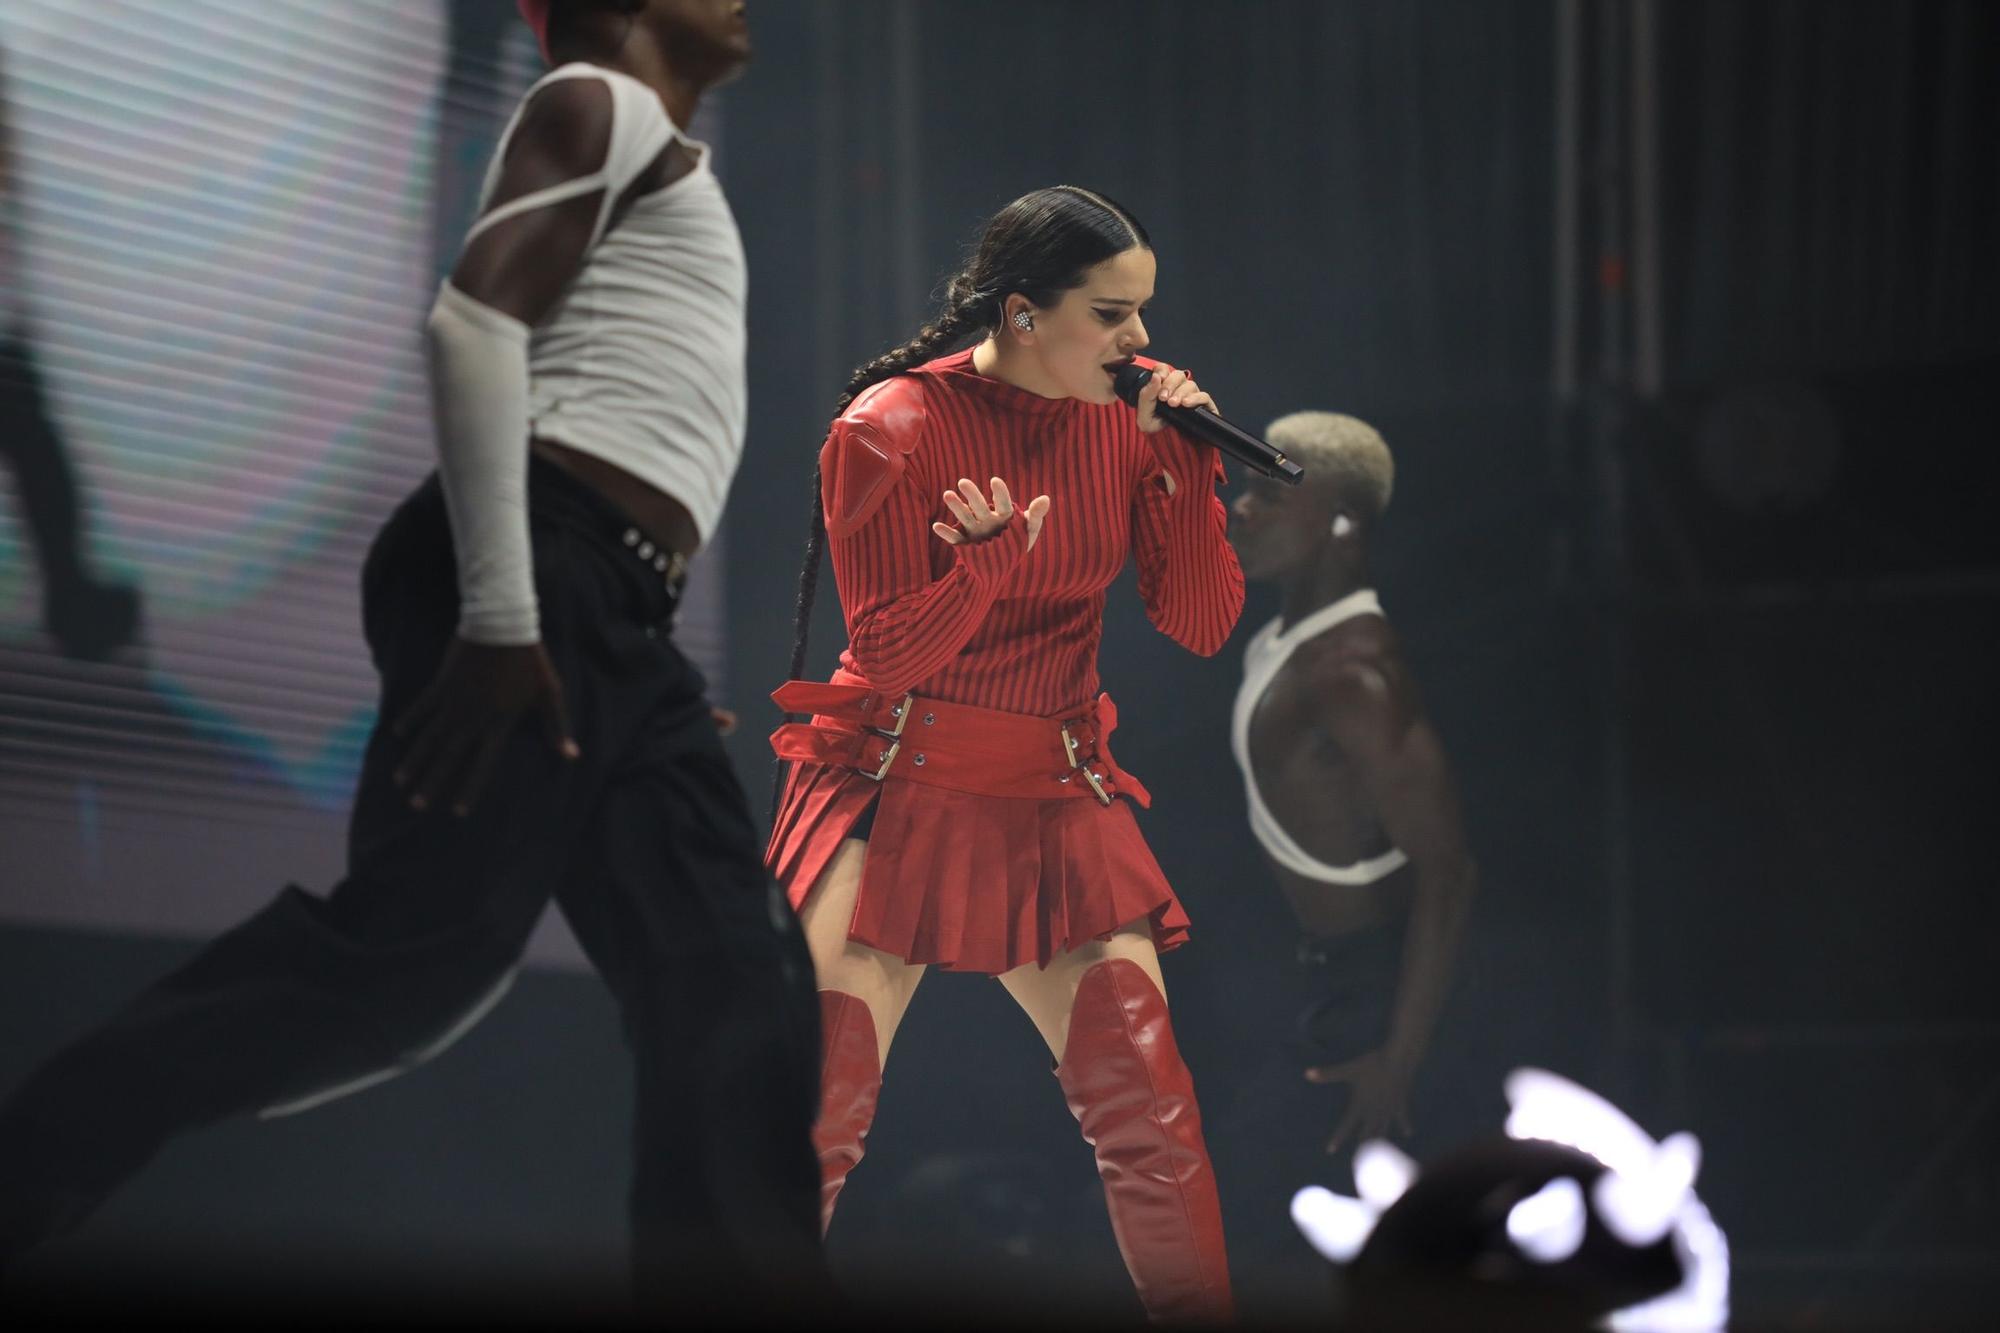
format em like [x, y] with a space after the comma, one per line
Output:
[671, 565]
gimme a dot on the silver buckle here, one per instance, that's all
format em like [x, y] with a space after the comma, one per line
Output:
[901, 712]
[888, 758]
[1069, 749]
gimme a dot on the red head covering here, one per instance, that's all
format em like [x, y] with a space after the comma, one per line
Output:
[536, 13]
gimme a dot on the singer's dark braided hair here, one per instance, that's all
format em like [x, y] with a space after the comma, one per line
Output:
[1041, 246]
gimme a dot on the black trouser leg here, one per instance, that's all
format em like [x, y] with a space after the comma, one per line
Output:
[710, 970]
[279, 1012]
[649, 839]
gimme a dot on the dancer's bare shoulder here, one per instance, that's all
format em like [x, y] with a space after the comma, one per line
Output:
[1359, 683]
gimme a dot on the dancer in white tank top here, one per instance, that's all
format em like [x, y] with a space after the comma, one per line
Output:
[1349, 791]
[540, 735]
[1268, 653]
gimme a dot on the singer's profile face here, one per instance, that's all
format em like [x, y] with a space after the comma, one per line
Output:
[1081, 340]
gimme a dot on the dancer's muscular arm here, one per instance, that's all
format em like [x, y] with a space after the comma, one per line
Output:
[509, 278]
[1373, 712]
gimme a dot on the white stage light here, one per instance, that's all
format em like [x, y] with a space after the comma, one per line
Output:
[1333, 1224]
[1382, 1172]
[1548, 1225]
[1648, 1193]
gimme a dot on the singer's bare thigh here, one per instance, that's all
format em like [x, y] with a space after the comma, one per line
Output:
[1048, 994]
[880, 980]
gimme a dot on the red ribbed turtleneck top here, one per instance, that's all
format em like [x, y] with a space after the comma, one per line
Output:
[991, 623]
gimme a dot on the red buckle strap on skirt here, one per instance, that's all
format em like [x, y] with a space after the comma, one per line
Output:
[978, 750]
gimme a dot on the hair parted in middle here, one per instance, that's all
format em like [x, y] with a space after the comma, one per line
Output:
[1041, 245]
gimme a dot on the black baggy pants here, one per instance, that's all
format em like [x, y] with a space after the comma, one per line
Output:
[647, 843]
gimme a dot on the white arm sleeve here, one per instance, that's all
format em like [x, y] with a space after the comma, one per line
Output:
[479, 396]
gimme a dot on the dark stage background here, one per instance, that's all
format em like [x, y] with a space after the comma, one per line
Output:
[1679, 318]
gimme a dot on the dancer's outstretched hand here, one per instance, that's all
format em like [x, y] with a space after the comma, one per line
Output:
[1378, 1097]
[456, 728]
[977, 520]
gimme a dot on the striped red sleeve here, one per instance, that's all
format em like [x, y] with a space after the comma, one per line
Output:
[1188, 575]
[903, 623]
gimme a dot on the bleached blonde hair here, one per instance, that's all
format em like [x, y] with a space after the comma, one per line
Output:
[1344, 449]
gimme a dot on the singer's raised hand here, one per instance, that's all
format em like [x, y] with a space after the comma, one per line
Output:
[1171, 388]
[978, 520]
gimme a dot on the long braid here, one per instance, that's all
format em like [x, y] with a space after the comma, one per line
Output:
[966, 310]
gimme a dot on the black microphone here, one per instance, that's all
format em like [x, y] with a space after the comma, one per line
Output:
[1203, 424]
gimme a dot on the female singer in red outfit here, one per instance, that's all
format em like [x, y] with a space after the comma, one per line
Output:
[953, 800]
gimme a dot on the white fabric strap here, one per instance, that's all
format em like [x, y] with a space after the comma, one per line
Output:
[479, 397]
[1262, 660]
[640, 128]
[554, 194]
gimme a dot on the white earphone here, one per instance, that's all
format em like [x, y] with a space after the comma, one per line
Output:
[1023, 320]
[1342, 525]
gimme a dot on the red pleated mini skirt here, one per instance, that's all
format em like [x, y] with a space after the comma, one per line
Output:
[999, 839]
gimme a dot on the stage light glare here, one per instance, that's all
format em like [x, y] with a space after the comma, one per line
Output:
[1549, 1107]
[1382, 1172]
[1647, 1193]
[1640, 1205]
[1698, 1305]
[1333, 1224]
[1548, 1225]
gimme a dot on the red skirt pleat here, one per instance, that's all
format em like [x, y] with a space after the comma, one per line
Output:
[974, 883]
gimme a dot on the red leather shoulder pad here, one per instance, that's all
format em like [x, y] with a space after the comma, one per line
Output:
[865, 452]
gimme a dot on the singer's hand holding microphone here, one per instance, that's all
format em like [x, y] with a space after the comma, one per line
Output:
[1166, 386]
[1180, 400]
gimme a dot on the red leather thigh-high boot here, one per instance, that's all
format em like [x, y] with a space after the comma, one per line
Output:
[1134, 1099]
[850, 1079]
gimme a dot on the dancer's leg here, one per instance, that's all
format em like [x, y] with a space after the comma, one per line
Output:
[673, 904]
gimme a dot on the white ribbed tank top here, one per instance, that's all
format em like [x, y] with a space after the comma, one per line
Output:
[642, 361]
[1266, 655]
